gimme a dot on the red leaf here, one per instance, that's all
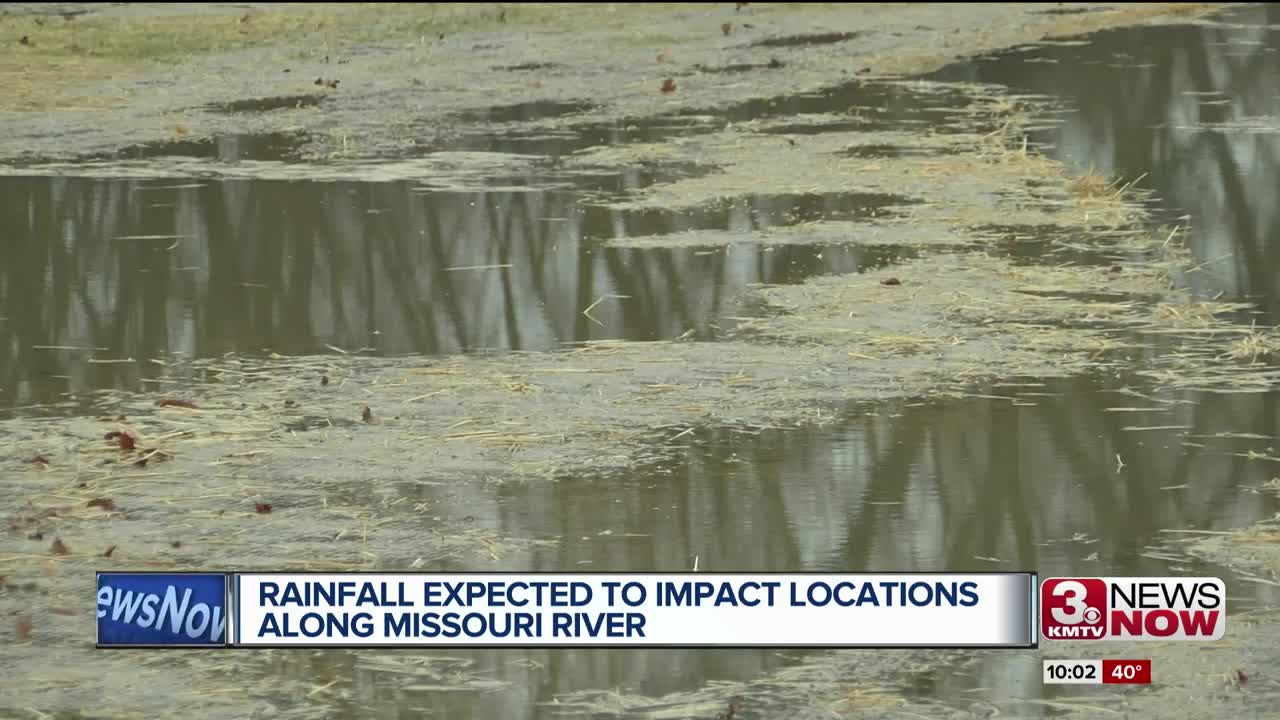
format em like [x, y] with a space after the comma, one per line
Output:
[105, 503]
[126, 441]
[262, 508]
[668, 85]
[59, 547]
[38, 460]
[23, 625]
[177, 403]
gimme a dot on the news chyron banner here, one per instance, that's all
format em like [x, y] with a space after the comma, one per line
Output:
[603, 610]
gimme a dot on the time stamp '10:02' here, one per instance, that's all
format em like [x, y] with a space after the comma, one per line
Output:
[1097, 672]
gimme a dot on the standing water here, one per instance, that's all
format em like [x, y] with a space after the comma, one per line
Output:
[1069, 477]
[1081, 476]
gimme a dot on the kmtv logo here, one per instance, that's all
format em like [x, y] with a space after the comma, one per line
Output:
[1133, 609]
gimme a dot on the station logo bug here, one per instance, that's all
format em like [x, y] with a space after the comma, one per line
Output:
[1083, 608]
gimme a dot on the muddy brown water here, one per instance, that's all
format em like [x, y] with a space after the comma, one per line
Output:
[1081, 476]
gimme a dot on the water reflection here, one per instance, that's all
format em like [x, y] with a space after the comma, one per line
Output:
[1031, 482]
[102, 277]
[142, 269]
[1027, 482]
[1195, 110]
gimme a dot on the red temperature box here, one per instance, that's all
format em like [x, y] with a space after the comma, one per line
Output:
[1126, 672]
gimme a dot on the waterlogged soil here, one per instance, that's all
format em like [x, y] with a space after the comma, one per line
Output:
[413, 75]
[586, 451]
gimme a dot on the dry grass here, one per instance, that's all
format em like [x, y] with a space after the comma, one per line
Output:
[107, 50]
[1091, 185]
[1257, 537]
[1253, 346]
[61, 55]
[1079, 24]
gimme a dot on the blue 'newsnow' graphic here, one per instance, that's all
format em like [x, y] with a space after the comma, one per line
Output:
[162, 609]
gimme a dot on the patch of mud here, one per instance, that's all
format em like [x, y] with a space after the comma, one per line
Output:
[807, 40]
[871, 232]
[877, 106]
[527, 111]
[559, 138]
[316, 422]
[258, 105]
[773, 64]
[261, 148]
[525, 67]
[1073, 10]
[883, 150]
[783, 210]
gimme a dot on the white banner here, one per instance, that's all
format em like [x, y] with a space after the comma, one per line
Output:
[635, 610]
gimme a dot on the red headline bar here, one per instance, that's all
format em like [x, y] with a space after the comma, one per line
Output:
[1126, 672]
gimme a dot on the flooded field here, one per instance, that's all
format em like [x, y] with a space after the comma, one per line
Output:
[1027, 481]
[145, 269]
[1186, 111]
[1016, 313]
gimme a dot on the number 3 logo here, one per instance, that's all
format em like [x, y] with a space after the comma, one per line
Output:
[1074, 594]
